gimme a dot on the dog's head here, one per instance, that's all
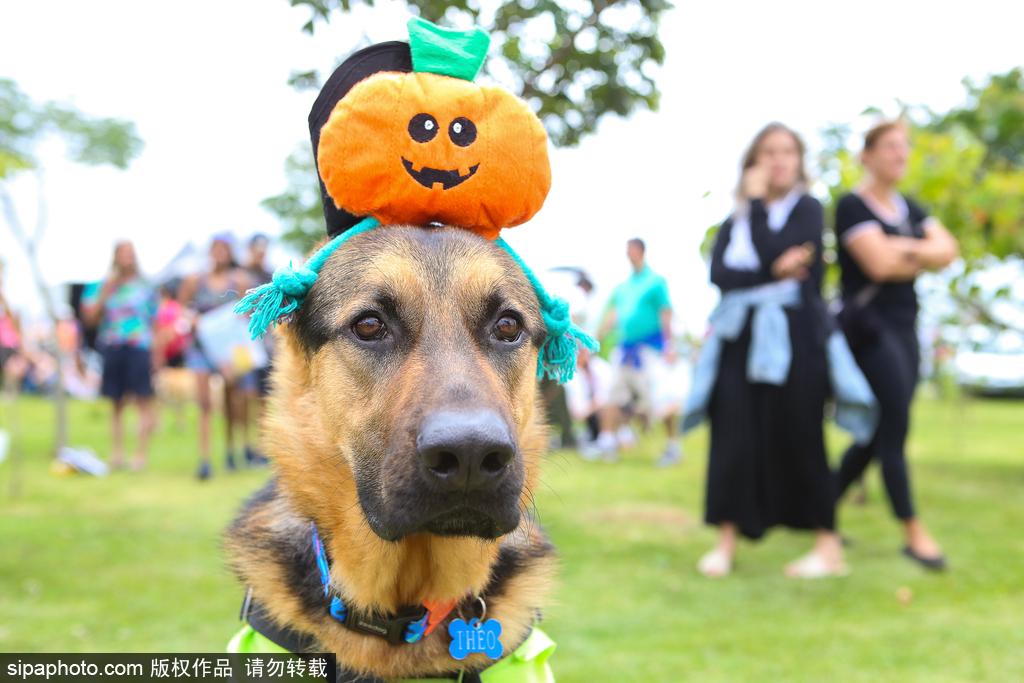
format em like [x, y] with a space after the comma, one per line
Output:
[419, 353]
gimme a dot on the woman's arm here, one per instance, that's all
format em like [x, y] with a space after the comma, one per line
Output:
[938, 248]
[793, 249]
[884, 258]
[724, 277]
[188, 290]
[92, 312]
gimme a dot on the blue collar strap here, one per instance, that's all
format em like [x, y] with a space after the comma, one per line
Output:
[406, 626]
[282, 296]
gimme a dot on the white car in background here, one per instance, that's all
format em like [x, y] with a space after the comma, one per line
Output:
[991, 363]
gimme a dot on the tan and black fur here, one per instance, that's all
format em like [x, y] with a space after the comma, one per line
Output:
[342, 428]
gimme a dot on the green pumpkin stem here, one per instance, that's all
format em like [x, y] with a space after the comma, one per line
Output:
[447, 51]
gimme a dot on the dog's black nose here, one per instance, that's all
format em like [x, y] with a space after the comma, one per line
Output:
[465, 451]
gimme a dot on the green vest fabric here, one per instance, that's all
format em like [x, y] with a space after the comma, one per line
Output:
[528, 664]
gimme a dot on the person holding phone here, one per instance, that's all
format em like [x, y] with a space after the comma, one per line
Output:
[767, 464]
[224, 282]
[885, 241]
[123, 308]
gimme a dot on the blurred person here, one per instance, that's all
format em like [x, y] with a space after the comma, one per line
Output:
[172, 337]
[10, 332]
[123, 307]
[572, 285]
[256, 385]
[587, 395]
[885, 241]
[80, 379]
[767, 463]
[222, 283]
[256, 266]
[641, 311]
[173, 333]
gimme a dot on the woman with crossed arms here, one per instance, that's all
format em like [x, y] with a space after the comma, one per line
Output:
[885, 241]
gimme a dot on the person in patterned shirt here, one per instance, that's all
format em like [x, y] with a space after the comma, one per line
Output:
[123, 307]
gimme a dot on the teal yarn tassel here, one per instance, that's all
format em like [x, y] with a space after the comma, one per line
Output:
[557, 357]
[286, 292]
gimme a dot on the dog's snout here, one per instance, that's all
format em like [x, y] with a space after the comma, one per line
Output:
[465, 451]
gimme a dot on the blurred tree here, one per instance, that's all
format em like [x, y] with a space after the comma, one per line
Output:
[994, 113]
[24, 125]
[298, 208]
[573, 62]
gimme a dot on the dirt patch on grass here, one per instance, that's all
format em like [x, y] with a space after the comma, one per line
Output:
[667, 516]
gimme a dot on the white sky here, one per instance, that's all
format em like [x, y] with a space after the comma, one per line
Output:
[205, 83]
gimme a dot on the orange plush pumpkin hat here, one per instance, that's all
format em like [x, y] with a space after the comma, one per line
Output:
[401, 135]
[444, 149]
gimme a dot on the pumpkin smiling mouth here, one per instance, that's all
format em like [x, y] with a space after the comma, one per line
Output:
[428, 177]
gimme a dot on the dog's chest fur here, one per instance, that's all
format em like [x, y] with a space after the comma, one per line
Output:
[271, 551]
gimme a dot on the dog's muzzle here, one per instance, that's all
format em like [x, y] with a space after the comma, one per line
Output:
[460, 475]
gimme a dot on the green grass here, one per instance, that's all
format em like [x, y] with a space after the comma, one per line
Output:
[133, 563]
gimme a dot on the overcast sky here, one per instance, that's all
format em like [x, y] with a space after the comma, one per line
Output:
[204, 80]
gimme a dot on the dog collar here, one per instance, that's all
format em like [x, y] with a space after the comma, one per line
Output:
[409, 625]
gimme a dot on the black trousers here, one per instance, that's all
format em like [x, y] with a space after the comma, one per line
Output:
[767, 464]
[891, 368]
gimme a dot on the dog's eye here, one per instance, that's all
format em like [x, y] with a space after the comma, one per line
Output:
[507, 328]
[369, 327]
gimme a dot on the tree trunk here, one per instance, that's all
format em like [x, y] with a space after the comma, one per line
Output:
[30, 246]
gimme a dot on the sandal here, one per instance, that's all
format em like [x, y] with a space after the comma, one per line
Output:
[936, 564]
[715, 564]
[813, 566]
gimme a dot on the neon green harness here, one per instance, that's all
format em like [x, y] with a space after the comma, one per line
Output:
[528, 664]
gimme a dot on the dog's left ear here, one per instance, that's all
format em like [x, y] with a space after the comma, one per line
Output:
[430, 146]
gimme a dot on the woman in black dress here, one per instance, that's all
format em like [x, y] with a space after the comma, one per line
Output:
[767, 464]
[885, 240]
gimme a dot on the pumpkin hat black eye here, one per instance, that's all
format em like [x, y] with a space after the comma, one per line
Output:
[462, 131]
[423, 128]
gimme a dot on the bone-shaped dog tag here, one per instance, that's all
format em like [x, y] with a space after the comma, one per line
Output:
[475, 637]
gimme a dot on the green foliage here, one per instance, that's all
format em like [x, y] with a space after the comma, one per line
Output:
[91, 141]
[298, 207]
[994, 112]
[573, 62]
[133, 562]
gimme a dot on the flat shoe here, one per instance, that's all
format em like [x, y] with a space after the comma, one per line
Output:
[715, 564]
[812, 566]
[934, 563]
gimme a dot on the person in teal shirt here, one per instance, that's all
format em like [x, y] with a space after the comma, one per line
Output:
[123, 308]
[641, 312]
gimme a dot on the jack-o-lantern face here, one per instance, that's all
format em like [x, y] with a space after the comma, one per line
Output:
[421, 148]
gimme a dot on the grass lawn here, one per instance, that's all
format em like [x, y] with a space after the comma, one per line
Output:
[132, 563]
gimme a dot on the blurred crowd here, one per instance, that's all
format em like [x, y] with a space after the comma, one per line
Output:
[774, 361]
[129, 339]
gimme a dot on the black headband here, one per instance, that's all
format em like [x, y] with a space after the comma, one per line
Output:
[392, 56]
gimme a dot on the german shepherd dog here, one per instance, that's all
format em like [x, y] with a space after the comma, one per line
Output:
[403, 422]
